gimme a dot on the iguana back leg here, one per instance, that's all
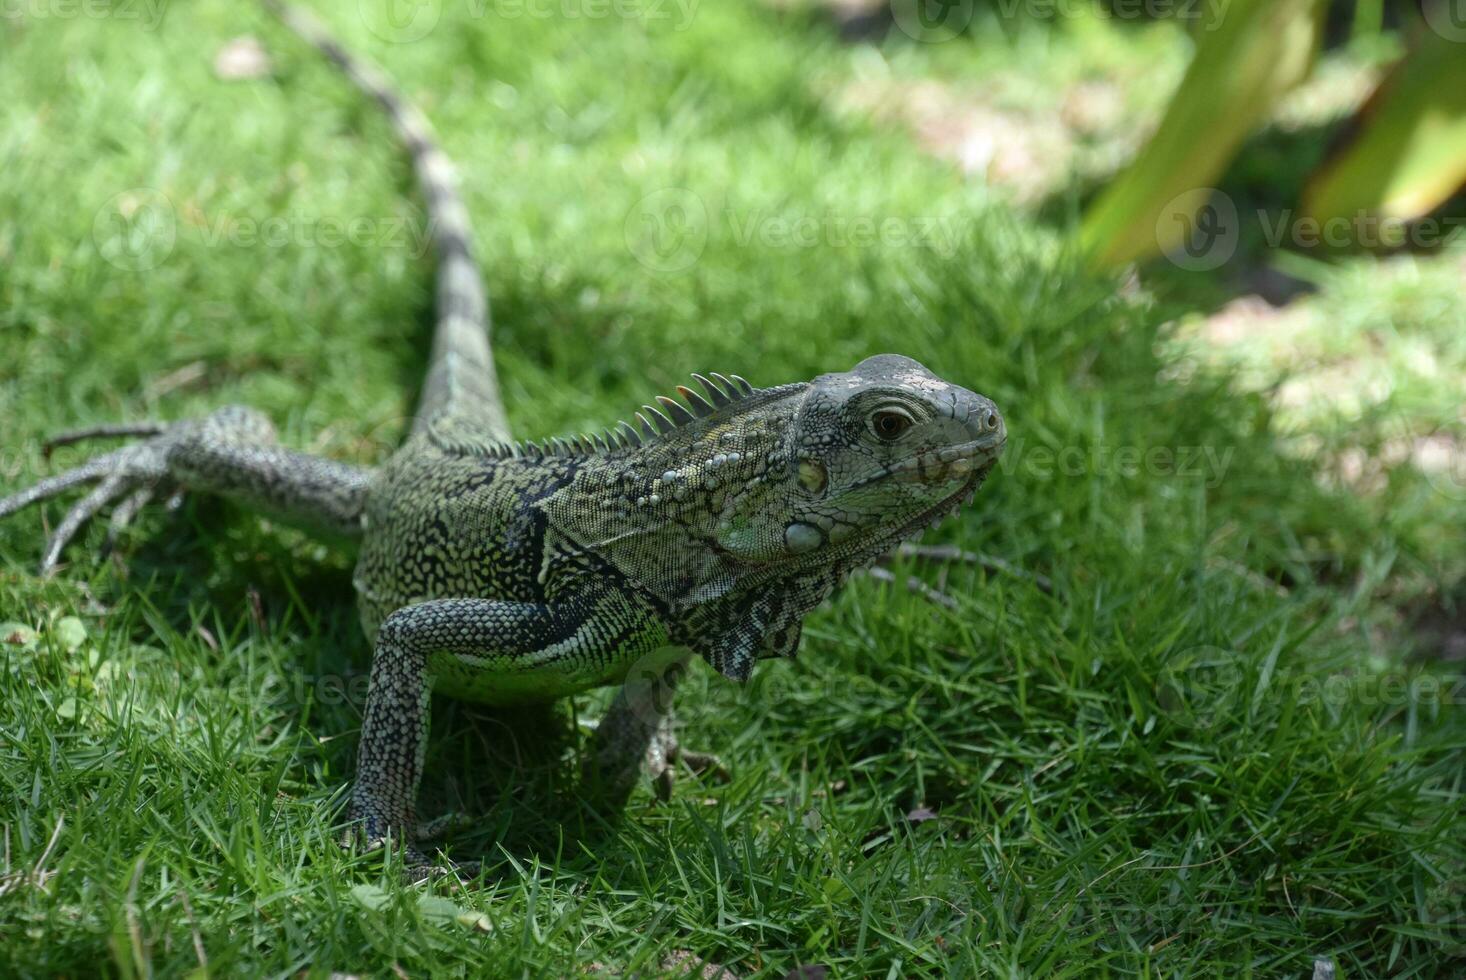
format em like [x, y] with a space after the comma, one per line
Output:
[638, 733]
[231, 452]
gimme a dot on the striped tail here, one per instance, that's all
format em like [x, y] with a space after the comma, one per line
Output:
[461, 391]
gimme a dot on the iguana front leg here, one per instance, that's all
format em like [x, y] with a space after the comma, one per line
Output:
[471, 647]
[231, 453]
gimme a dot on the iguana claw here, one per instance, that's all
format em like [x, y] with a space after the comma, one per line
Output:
[130, 474]
[367, 835]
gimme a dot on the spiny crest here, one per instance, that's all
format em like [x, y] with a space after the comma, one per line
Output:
[718, 390]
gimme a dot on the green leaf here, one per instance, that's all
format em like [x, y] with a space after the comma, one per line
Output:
[473, 919]
[441, 911]
[66, 709]
[1259, 50]
[437, 909]
[371, 897]
[70, 632]
[1408, 150]
[836, 890]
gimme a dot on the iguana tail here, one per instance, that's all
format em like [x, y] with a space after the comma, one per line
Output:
[461, 389]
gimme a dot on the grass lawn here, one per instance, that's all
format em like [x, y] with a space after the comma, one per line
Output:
[1193, 733]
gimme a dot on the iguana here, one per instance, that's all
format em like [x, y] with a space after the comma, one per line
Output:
[507, 572]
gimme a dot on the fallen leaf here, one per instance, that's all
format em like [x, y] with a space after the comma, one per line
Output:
[17, 634]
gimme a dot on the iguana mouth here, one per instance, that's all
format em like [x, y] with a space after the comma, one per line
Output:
[943, 465]
[948, 463]
[973, 460]
[949, 505]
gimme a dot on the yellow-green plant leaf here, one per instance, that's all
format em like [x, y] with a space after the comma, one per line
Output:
[1408, 150]
[1257, 51]
[70, 632]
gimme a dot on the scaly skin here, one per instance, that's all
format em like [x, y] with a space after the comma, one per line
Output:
[506, 573]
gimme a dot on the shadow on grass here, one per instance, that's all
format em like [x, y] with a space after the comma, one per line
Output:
[513, 772]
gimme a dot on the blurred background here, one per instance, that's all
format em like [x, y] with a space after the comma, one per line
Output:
[1289, 171]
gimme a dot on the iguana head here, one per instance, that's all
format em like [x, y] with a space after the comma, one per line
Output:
[855, 463]
[872, 456]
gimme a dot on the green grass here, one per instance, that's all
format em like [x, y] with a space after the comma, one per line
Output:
[1208, 750]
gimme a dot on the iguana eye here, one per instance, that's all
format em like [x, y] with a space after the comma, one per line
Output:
[889, 423]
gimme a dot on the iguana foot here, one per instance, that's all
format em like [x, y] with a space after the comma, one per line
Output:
[369, 832]
[442, 825]
[129, 476]
[663, 756]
